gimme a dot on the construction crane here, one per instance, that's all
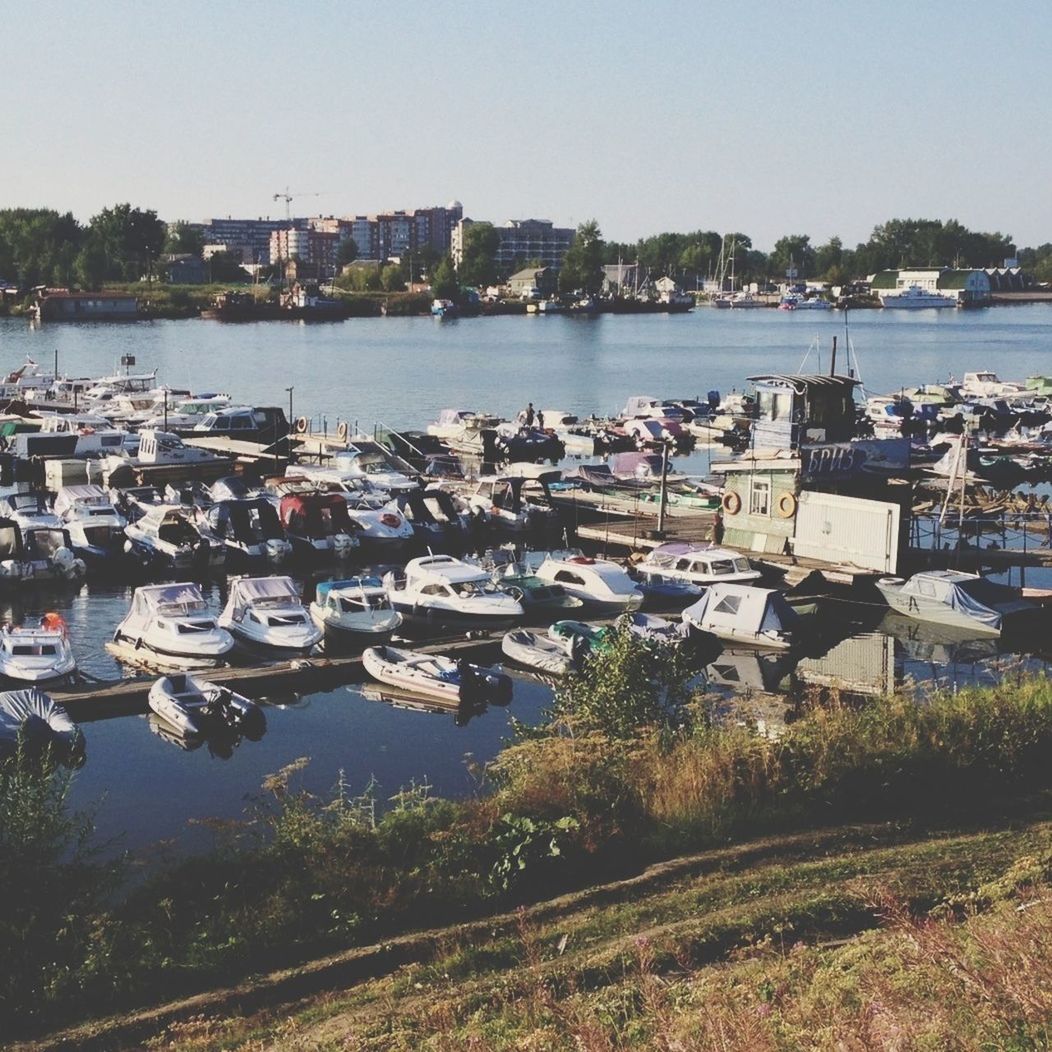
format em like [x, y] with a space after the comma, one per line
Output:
[289, 198]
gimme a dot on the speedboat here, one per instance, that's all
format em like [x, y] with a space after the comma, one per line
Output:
[538, 597]
[171, 624]
[32, 721]
[267, 612]
[950, 597]
[96, 528]
[197, 708]
[433, 516]
[435, 676]
[538, 652]
[318, 524]
[915, 298]
[358, 607]
[603, 586]
[250, 529]
[698, 564]
[371, 461]
[580, 639]
[31, 510]
[185, 413]
[37, 653]
[516, 500]
[444, 590]
[744, 613]
[167, 536]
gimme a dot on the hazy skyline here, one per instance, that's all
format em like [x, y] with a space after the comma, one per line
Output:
[809, 118]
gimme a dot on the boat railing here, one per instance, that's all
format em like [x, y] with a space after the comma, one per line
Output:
[382, 433]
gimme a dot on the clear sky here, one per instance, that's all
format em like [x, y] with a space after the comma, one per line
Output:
[768, 118]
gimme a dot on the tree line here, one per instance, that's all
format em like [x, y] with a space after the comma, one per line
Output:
[123, 243]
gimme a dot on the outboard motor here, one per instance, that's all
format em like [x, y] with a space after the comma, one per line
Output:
[343, 544]
[277, 550]
[713, 398]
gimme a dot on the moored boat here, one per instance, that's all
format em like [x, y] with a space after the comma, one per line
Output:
[33, 721]
[197, 708]
[355, 608]
[267, 613]
[37, 653]
[436, 676]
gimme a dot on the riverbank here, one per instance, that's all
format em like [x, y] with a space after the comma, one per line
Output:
[628, 771]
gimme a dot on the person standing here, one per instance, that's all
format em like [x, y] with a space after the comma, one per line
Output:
[529, 415]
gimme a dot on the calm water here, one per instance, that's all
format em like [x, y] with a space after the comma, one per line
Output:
[401, 372]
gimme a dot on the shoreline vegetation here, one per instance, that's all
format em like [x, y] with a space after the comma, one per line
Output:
[866, 845]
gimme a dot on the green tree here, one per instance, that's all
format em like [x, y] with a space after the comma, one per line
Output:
[828, 257]
[133, 239]
[444, 285]
[183, 238]
[38, 246]
[391, 279]
[346, 251]
[479, 263]
[792, 252]
[583, 263]
[93, 264]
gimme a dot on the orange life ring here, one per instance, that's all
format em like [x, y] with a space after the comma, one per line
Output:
[732, 503]
[787, 505]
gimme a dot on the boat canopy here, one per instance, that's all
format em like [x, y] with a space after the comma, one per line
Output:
[978, 598]
[11, 546]
[246, 519]
[352, 583]
[37, 712]
[262, 591]
[742, 610]
[70, 496]
[184, 598]
[315, 514]
[444, 569]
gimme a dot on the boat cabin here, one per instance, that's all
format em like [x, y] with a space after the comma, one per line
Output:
[793, 410]
[250, 521]
[260, 424]
[315, 515]
[700, 565]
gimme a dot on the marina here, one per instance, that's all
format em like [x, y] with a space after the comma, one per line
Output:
[584, 508]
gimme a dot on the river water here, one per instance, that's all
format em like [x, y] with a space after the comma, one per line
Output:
[401, 372]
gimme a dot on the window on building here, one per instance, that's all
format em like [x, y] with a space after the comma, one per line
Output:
[760, 497]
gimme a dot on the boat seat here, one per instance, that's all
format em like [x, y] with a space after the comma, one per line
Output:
[178, 682]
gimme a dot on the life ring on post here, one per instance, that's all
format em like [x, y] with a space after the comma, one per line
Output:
[732, 503]
[342, 430]
[301, 425]
[787, 505]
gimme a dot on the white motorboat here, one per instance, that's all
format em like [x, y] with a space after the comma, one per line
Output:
[915, 298]
[744, 613]
[435, 676]
[197, 708]
[161, 448]
[444, 590]
[185, 413]
[96, 528]
[167, 535]
[950, 597]
[356, 608]
[696, 563]
[30, 719]
[378, 522]
[538, 652]
[249, 528]
[371, 461]
[518, 499]
[37, 653]
[171, 624]
[603, 586]
[267, 612]
[31, 510]
[462, 428]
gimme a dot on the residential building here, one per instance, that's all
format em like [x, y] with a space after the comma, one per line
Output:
[183, 269]
[542, 279]
[317, 247]
[247, 238]
[521, 241]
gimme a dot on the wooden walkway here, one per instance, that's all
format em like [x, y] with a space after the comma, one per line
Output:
[126, 697]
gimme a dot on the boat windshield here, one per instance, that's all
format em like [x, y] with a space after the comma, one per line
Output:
[468, 589]
[356, 604]
[181, 608]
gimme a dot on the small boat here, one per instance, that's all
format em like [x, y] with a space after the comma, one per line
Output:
[578, 638]
[950, 597]
[250, 529]
[30, 718]
[31, 511]
[318, 524]
[516, 500]
[96, 528]
[652, 627]
[356, 608]
[743, 613]
[444, 309]
[602, 585]
[538, 652]
[444, 590]
[198, 708]
[37, 653]
[696, 563]
[267, 613]
[167, 536]
[659, 590]
[435, 676]
[171, 624]
[433, 516]
[537, 596]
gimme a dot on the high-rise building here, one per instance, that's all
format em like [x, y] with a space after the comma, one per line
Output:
[521, 241]
[247, 238]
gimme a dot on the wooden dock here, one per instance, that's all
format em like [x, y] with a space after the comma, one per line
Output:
[127, 697]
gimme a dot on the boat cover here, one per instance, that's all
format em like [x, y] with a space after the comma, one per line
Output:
[741, 609]
[45, 721]
[352, 582]
[185, 597]
[247, 590]
[69, 496]
[974, 597]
